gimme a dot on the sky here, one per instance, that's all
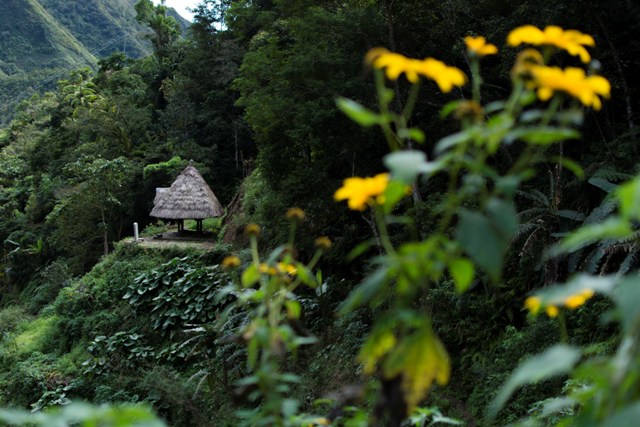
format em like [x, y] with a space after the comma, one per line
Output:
[181, 6]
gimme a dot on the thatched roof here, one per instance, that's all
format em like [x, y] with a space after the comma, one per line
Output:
[189, 197]
[160, 193]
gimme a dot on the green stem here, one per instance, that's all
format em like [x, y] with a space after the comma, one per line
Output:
[452, 191]
[392, 139]
[477, 79]
[254, 251]
[292, 233]
[564, 335]
[551, 110]
[382, 229]
[411, 103]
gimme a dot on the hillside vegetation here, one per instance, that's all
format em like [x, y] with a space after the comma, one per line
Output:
[43, 40]
[431, 216]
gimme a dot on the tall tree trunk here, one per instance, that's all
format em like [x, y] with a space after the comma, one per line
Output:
[105, 233]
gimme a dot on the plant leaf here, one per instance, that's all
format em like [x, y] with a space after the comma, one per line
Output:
[557, 360]
[358, 113]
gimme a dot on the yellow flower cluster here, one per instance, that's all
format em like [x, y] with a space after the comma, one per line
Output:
[548, 80]
[573, 301]
[572, 41]
[230, 262]
[361, 192]
[572, 81]
[281, 268]
[446, 77]
[478, 46]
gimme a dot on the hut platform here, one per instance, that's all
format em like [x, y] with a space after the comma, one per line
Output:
[185, 236]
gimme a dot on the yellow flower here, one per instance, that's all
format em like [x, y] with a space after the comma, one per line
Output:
[576, 300]
[552, 311]
[230, 262]
[287, 268]
[267, 269]
[572, 81]
[361, 192]
[468, 110]
[295, 214]
[446, 77]
[323, 242]
[478, 46]
[533, 304]
[524, 61]
[252, 230]
[319, 422]
[570, 40]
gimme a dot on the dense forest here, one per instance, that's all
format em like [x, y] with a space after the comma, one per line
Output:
[483, 270]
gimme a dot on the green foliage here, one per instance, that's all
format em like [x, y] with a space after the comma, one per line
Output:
[179, 293]
[85, 415]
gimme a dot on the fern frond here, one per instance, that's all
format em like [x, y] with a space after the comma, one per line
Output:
[534, 195]
[611, 175]
[530, 213]
[630, 260]
[600, 213]
[592, 263]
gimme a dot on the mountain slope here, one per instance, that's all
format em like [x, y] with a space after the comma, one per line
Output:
[41, 40]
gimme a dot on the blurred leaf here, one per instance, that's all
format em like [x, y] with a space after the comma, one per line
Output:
[612, 228]
[454, 139]
[360, 249]
[628, 416]
[394, 192]
[378, 344]
[557, 360]
[629, 196]
[250, 276]
[368, 289]
[541, 135]
[358, 113]
[306, 275]
[570, 165]
[414, 134]
[486, 239]
[408, 164]
[558, 293]
[461, 270]
[420, 359]
[626, 296]
[449, 108]
[504, 216]
[293, 309]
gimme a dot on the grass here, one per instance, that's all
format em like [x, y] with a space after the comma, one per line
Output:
[33, 334]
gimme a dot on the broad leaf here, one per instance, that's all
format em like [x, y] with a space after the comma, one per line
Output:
[557, 360]
[486, 239]
[421, 359]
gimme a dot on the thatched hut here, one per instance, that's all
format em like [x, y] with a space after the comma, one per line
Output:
[189, 197]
